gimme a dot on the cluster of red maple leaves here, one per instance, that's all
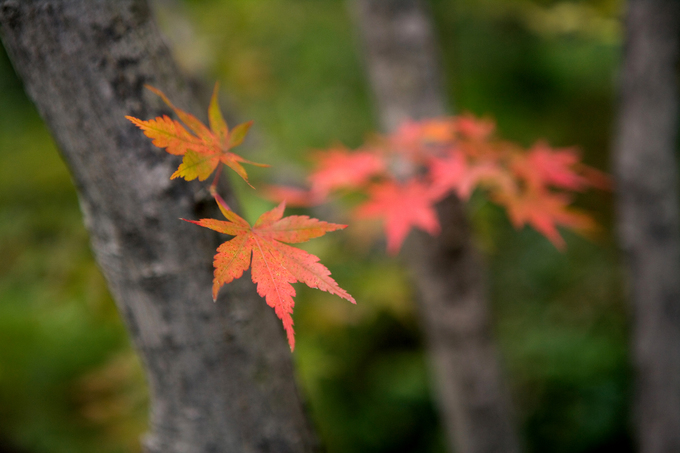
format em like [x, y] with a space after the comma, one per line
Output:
[406, 173]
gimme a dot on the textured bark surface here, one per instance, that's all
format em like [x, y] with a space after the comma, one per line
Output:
[649, 224]
[401, 59]
[220, 374]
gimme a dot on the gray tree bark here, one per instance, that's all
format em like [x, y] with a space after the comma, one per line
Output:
[401, 59]
[220, 374]
[649, 223]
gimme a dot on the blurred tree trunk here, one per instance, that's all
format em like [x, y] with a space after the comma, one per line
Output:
[220, 374]
[401, 59]
[649, 223]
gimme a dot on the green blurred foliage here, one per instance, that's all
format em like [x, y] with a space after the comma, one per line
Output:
[542, 68]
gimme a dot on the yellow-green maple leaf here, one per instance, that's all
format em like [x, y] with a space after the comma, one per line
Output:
[205, 148]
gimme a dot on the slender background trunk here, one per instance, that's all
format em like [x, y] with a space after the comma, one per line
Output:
[220, 374]
[401, 59]
[649, 224]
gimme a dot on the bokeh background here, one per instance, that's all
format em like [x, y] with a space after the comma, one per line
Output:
[69, 380]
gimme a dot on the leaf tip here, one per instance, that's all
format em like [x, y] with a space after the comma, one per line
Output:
[151, 88]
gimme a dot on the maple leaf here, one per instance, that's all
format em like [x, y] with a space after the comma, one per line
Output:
[293, 196]
[205, 148]
[474, 128]
[411, 136]
[335, 169]
[340, 169]
[447, 173]
[544, 210]
[401, 207]
[275, 265]
[454, 172]
[543, 166]
[595, 177]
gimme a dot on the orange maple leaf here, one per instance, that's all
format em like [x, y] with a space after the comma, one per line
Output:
[205, 148]
[401, 207]
[275, 265]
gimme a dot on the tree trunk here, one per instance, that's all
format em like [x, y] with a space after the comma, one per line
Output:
[649, 224]
[402, 65]
[220, 374]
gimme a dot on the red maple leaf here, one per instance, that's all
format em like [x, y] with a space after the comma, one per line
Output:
[401, 206]
[457, 173]
[544, 211]
[341, 169]
[293, 196]
[447, 173]
[474, 128]
[336, 169]
[205, 148]
[543, 166]
[275, 265]
[412, 137]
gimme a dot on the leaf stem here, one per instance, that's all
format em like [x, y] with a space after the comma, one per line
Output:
[213, 186]
[221, 201]
[213, 190]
